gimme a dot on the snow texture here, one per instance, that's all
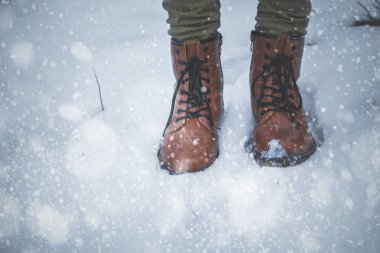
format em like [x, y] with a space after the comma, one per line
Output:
[76, 179]
[275, 150]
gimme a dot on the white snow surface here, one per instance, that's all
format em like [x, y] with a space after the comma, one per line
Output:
[75, 178]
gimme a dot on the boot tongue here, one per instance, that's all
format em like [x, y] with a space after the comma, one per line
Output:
[191, 49]
[195, 83]
[194, 67]
[278, 80]
[283, 42]
[197, 102]
[194, 72]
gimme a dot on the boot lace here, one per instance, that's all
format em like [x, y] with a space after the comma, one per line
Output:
[280, 68]
[198, 104]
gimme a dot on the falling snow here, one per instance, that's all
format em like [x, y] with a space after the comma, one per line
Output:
[74, 178]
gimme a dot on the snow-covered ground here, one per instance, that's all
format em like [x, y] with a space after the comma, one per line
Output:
[76, 179]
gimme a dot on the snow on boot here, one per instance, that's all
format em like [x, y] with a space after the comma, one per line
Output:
[281, 136]
[190, 138]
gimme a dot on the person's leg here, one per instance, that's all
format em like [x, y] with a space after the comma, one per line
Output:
[281, 136]
[285, 16]
[192, 19]
[190, 138]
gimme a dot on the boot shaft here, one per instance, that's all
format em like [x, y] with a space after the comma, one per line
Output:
[206, 55]
[207, 51]
[266, 45]
[274, 59]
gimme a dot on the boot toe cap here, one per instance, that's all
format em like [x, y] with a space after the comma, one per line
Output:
[188, 154]
[289, 140]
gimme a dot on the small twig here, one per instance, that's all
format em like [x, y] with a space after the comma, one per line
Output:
[366, 22]
[100, 93]
[369, 15]
[371, 20]
[195, 215]
[376, 4]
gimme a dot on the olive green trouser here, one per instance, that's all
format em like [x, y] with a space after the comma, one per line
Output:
[200, 19]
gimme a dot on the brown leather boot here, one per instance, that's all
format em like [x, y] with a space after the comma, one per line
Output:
[281, 136]
[190, 138]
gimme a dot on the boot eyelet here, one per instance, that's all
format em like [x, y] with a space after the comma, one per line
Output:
[205, 49]
[177, 51]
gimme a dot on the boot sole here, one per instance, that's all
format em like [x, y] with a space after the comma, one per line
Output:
[177, 172]
[286, 161]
